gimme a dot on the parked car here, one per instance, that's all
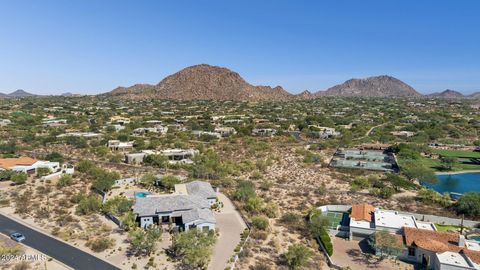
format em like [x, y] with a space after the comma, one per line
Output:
[17, 237]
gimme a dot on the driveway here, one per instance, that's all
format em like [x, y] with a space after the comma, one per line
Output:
[62, 252]
[230, 225]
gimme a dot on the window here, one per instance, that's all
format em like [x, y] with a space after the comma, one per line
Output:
[411, 251]
[165, 219]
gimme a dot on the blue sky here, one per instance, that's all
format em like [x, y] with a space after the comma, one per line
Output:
[91, 46]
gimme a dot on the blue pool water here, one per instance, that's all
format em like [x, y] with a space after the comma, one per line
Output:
[476, 238]
[459, 183]
[141, 194]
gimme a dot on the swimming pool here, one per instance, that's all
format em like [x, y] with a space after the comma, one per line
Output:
[476, 238]
[141, 194]
[457, 183]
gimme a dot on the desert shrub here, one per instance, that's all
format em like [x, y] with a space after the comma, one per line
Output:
[65, 180]
[326, 241]
[43, 171]
[260, 223]
[270, 210]
[245, 190]
[100, 244]
[89, 205]
[117, 206]
[297, 256]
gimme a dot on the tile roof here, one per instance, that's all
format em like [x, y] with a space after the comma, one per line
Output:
[198, 215]
[8, 163]
[362, 212]
[438, 242]
[201, 189]
[152, 205]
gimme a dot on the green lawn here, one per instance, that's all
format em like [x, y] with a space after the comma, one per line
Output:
[437, 165]
[457, 153]
[444, 228]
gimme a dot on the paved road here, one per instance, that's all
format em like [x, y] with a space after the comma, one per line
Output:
[58, 250]
[231, 226]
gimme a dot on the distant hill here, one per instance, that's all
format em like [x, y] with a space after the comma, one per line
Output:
[475, 95]
[305, 95]
[206, 82]
[447, 94]
[17, 94]
[203, 82]
[379, 86]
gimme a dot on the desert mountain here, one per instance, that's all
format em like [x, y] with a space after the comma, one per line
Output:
[447, 94]
[379, 86]
[17, 94]
[475, 95]
[305, 95]
[203, 82]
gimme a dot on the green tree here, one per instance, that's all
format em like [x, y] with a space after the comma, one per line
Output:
[469, 204]
[448, 162]
[142, 242]
[297, 256]
[386, 243]
[117, 206]
[147, 180]
[128, 220]
[19, 178]
[85, 166]
[89, 205]
[318, 223]
[416, 171]
[245, 190]
[169, 181]
[55, 157]
[193, 248]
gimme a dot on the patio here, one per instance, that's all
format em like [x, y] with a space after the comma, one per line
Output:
[359, 256]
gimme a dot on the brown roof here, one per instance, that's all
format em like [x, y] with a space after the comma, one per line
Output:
[8, 163]
[438, 242]
[362, 212]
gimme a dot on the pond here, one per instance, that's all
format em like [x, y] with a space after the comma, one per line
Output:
[456, 183]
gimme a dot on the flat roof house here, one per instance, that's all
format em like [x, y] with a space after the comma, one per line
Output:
[116, 145]
[27, 165]
[264, 132]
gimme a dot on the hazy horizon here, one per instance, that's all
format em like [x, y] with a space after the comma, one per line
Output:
[91, 47]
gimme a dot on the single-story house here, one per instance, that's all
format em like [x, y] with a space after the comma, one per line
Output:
[225, 131]
[27, 165]
[116, 145]
[198, 188]
[264, 132]
[189, 207]
[441, 250]
[200, 133]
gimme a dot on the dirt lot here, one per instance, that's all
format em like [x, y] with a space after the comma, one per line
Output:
[358, 255]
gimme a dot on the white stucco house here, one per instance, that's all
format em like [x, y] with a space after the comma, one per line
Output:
[189, 207]
[27, 165]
